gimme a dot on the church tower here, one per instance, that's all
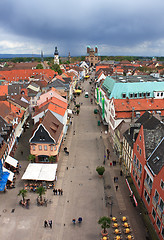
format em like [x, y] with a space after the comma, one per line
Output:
[69, 57]
[56, 56]
[42, 60]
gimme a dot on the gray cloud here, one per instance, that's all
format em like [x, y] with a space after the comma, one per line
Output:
[118, 24]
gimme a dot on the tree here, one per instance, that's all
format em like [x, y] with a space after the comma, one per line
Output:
[39, 66]
[40, 190]
[31, 157]
[100, 170]
[51, 159]
[23, 193]
[105, 223]
[56, 68]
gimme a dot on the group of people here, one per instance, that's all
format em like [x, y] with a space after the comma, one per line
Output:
[48, 223]
[58, 191]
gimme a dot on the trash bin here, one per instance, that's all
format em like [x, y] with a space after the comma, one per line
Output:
[98, 123]
[95, 111]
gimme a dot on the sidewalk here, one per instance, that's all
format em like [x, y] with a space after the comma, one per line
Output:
[122, 206]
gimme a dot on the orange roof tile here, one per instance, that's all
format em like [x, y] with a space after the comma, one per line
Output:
[123, 107]
[3, 90]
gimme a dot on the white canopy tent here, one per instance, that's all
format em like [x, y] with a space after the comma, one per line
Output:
[40, 172]
[10, 178]
[12, 161]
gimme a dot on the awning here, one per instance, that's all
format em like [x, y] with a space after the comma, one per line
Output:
[129, 187]
[12, 161]
[135, 200]
[11, 174]
[69, 111]
[40, 172]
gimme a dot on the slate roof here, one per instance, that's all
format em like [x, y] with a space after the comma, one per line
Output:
[156, 160]
[153, 132]
[132, 133]
[52, 125]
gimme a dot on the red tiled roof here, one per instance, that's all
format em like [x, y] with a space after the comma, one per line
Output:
[3, 90]
[16, 75]
[123, 107]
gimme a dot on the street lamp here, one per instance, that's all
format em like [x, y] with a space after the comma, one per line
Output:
[111, 204]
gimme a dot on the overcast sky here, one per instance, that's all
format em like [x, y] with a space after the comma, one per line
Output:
[117, 27]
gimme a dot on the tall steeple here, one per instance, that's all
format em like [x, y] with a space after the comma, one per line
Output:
[42, 60]
[56, 56]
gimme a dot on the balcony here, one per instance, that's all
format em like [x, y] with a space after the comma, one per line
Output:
[154, 202]
[147, 187]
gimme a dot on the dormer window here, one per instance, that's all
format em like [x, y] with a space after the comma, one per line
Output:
[124, 95]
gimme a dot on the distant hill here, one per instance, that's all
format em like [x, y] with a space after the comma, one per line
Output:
[21, 55]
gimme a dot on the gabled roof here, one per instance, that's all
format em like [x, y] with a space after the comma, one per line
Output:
[18, 100]
[9, 111]
[51, 124]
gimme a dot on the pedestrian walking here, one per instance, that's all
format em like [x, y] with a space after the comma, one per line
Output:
[61, 191]
[45, 223]
[50, 223]
[116, 187]
[54, 191]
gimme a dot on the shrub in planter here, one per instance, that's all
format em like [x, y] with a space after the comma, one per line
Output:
[100, 170]
[105, 223]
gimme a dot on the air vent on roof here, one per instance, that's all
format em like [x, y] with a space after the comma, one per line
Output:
[141, 80]
[123, 80]
[138, 77]
[156, 159]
